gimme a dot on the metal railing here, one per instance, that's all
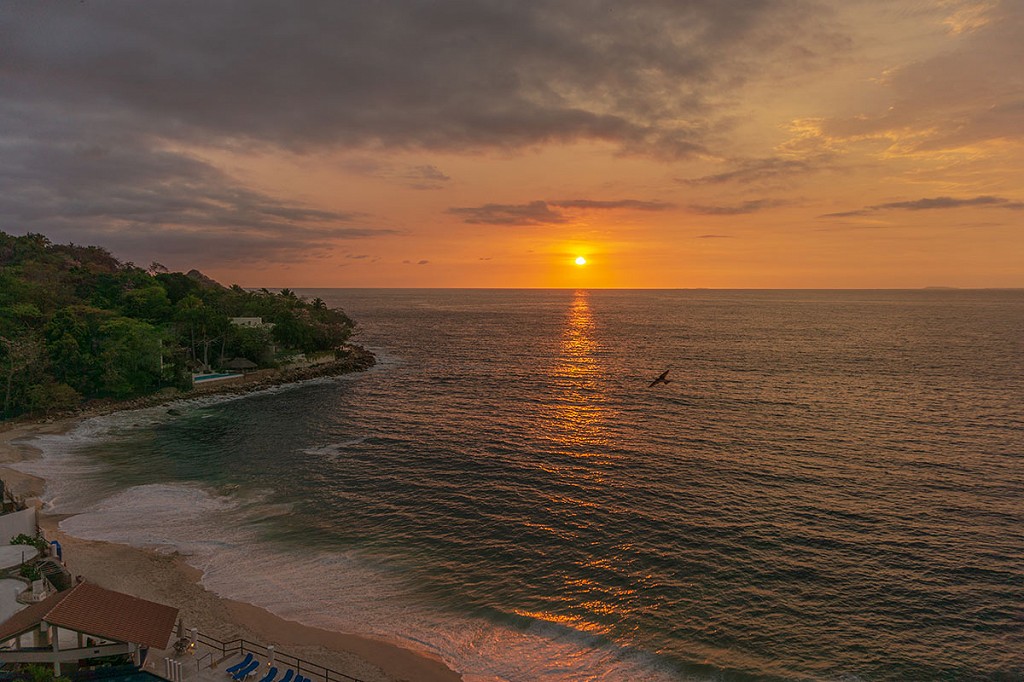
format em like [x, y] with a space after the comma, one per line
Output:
[301, 666]
[199, 661]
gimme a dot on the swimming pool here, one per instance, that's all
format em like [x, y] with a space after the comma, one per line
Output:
[199, 378]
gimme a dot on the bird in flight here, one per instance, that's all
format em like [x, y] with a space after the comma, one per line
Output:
[661, 379]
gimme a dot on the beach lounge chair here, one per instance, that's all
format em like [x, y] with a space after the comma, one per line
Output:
[246, 671]
[288, 676]
[238, 666]
[271, 674]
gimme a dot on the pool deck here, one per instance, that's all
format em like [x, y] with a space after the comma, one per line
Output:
[193, 668]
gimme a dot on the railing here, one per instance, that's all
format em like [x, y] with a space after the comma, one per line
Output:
[199, 661]
[301, 666]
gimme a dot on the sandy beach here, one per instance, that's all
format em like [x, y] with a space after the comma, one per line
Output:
[168, 579]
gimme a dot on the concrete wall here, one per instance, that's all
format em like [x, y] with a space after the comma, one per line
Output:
[16, 523]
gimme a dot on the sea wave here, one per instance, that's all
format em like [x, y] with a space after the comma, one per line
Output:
[227, 532]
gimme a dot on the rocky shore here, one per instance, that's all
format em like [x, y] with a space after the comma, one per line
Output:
[351, 358]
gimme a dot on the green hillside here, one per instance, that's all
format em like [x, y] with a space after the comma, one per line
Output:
[76, 323]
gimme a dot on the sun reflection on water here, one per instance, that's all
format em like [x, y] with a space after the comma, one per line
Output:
[574, 420]
[578, 409]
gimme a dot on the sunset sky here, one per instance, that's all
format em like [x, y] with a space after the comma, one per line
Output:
[672, 143]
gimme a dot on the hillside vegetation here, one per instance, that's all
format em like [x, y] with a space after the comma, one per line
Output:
[77, 323]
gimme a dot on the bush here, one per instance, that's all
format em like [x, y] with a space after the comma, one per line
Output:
[53, 396]
[30, 572]
[38, 542]
[43, 673]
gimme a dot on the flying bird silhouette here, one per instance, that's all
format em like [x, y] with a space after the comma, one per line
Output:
[661, 379]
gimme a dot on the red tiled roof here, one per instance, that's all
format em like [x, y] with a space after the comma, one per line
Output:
[104, 613]
[29, 617]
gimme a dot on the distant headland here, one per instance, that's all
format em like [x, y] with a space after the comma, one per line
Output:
[83, 332]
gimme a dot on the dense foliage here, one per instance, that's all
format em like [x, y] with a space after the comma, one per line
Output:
[76, 323]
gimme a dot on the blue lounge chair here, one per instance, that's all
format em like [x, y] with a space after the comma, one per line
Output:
[271, 674]
[288, 676]
[241, 664]
[246, 671]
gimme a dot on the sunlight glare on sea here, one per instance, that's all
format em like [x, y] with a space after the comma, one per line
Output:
[829, 487]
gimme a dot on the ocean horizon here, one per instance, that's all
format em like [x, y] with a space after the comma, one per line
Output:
[828, 488]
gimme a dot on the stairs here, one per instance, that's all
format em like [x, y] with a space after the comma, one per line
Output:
[55, 573]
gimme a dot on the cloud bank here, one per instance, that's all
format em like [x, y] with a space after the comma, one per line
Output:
[120, 193]
[933, 203]
[436, 75]
[541, 212]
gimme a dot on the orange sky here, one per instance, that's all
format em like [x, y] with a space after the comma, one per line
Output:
[720, 144]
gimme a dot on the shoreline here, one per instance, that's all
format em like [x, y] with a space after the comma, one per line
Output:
[167, 578]
[357, 359]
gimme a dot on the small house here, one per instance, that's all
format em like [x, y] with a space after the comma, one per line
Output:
[85, 622]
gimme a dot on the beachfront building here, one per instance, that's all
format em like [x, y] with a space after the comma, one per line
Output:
[252, 322]
[86, 622]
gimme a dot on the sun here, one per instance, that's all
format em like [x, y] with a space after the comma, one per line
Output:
[580, 260]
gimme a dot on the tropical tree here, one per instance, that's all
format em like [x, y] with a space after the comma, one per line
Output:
[130, 360]
[18, 355]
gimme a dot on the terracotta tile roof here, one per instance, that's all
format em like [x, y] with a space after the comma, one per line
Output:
[29, 617]
[104, 613]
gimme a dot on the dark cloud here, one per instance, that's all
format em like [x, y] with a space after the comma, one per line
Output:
[99, 100]
[745, 207]
[533, 213]
[949, 202]
[846, 214]
[933, 203]
[144, 204]
[541, 212]
[439, 75]
[634, 204]
[714, 236]
[761, 170]
[425, 177]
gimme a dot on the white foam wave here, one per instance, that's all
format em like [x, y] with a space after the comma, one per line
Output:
[74, 482]
[184, 517]
[348, 594]
[344, 592]
[220, 534]
[334, 450]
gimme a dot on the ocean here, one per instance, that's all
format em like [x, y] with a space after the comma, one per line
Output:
[831, 486]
